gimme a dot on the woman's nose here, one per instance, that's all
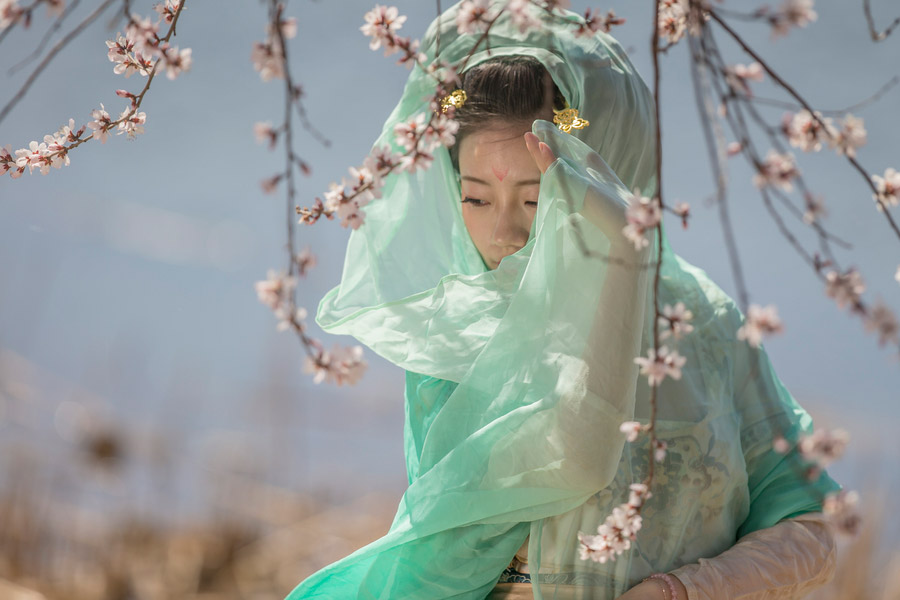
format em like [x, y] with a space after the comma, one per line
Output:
[511, 228]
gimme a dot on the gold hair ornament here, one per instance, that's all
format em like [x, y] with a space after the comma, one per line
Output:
[456, 99]
[567, 119]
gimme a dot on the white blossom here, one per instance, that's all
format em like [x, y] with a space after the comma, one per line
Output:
[659, 450]
[167, 10]
[473, 16]
[815, 208]
[657, 367]
[846, 288]
[631, 429]
[675, 320]
[592, 23]
[407, 134]
[759, 321]
[842, 508]
[882, 320]
[850, 136]
[382, 23]
[132, 122]
[617, 532]
[522, 15]
[792, 13]
[777, 170]
[643, 213]
[340, 365]
[823, 447]
[673, 15]
[176, 61]
[276, 289]
[268, 59]
[807, 132]
[887, 187]
[10, 13]
[100, 124]
[738, 76]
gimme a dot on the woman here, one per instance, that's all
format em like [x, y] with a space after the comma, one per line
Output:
[500, 279]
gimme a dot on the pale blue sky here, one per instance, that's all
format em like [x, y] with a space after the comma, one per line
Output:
[130, 273]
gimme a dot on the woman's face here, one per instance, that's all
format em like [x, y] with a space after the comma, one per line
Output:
[500, 186]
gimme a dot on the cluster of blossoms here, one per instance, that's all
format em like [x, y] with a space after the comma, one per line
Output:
[340, 365]
[11, 13]
[777, 170]
[791, 13]
[843, 509]
[679, 16]
[887, 188]
[675, 321]
[268, 56]
[759, 321]
[738, 77]
[615, 535]
[882, 319]
[807, 132]
[382, 23]
[52, 152]
[823, 447]
[642, 214]
[659, 365]
[141, 50]
[845, 288]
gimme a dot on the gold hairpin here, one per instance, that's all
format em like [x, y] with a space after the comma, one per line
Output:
[567, 119]
[456, 99]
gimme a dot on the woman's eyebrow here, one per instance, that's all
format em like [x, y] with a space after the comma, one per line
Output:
[517, 183]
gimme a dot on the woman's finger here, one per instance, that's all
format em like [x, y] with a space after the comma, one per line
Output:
[541, 153]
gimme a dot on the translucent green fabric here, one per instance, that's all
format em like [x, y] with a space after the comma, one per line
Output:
[518, 378]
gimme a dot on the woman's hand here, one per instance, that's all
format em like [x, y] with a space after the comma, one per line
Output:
[653, 589]
[541, 153]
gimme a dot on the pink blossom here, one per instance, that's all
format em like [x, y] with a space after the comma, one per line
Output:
[842, 508]
[759, 322]
[777, 170]
[592, 23]
[10, 13]
[887, 188]
[143, 34]
[672, 20]
[442, 131]
[415, 161]
[100, 124]
[734, 148]
[792, 13]
[176, 61]
[265, 133]
[167, 10]
[617, 532]
[57, 153]
[882, 319]
[683, 210]
[657, 367]
[781, 445]
[33, 156]
[474, 16]
[659, 450]
[305, 260]
[815, 208]
[287, 321]
[407, 134]
[522, 15]
[643, 213]
[823, 447]
[807, 132]
[845, 288]
[631, 429]
[7, 162]
[365, 184]
[382, 23]
[382, 160]
[268, 59]
[288, 28]
[850, 136]
[276, 290]
[340, 366]
[738, 76]
[270, 184]
[131, 122]
[675, 320]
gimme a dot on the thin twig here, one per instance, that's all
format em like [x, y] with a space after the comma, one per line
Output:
[874, 33]
[50, 55]
[44, 40]
[893, 81]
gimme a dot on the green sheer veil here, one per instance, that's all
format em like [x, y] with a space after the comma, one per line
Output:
[519, 378]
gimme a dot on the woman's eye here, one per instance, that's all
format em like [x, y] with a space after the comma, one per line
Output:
[473, 201]
[531, 203]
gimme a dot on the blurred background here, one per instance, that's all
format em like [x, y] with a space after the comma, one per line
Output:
[158, 438]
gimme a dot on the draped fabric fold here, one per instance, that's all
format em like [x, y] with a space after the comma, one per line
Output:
[519, 378]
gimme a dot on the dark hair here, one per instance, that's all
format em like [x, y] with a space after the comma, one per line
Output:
[504, 89]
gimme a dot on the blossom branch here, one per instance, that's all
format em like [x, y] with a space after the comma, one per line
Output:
[57, 24]
[876, 35]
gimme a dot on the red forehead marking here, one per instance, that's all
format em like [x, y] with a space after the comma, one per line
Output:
[499, 173]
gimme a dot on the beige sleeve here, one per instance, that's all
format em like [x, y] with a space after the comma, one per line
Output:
[782, 562]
